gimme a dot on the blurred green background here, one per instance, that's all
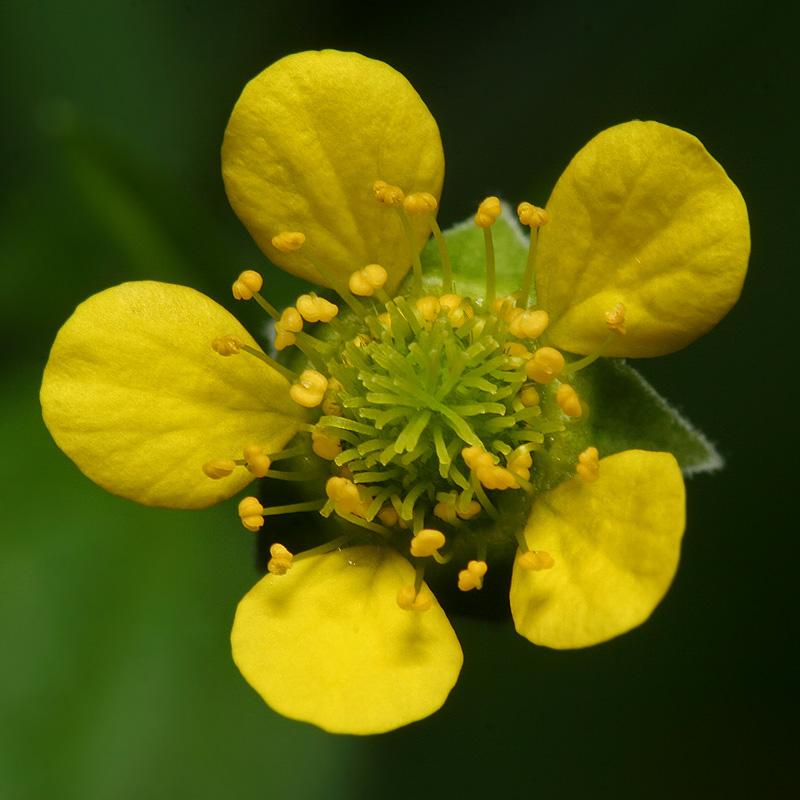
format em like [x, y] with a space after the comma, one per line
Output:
[115, 674]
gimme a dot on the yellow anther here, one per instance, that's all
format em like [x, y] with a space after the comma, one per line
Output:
[496, 477]
[387, 194]
[587, 466]
[257, 461]
[473, 508]
[520, 463]
[420, 203]
[248, 283]
[528, 324]
[475, 457]
[502, 306]
[532, 216]
[250, 511]
[488, 211]
[219, 468]
[385, 319]
[291, 320]
[281, 561]
[516, 350]
[364, 282]
[615, 319]
[327, 447]
[445, 511]
[316, 309]
[309, 389]
[283, 338]
[330, 407]
[388, 516]
[229, 345]
[546, 363]
[458, 312]
[288, 241]
[472, 577]
[409, 600]
[536, 561]
[568, 401]
[345, 496]
[427, 542]
[529, 397]
[429, 307]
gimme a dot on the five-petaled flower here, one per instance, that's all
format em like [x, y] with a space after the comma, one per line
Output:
[430, 421]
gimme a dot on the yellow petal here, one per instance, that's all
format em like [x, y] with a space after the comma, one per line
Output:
[644, 216]
[327, 643]
[307, 140]
[615, 544]
[136, 397]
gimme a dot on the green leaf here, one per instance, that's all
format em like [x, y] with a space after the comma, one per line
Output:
[627, 413]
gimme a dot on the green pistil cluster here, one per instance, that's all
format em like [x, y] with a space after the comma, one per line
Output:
[417, 386]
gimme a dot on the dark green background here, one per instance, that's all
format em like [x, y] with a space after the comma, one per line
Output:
[115, 676]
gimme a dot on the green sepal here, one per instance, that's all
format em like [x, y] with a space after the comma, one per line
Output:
[627, 413]
[465, 244]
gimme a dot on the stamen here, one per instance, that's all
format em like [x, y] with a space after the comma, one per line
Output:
[488, 211]
[316, 309]
[219, 468]
[429, 307]
[409, 600]
[527, 324]
[327, 447]
[288, 241]
[529, 397]
[271, 362]
[472, 577]
[536, 561]
[388, 516]
[496, 477]
[502, 306]
[344, 494]
[427, 542]
[458, 311]
[291, 320]
[387, 194]
[546, 363]
[309, 389]
[281, 561]
[420, 203]
[283, 339]
[473, 508]
[615, 319]
[520, 463]
[568, 401]
[364, 282]
[257, 462]
[251, 513]
[587, 466]
[229, 345]
[535, 218]
[248, 284]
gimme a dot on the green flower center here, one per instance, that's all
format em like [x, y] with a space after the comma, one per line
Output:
[420, 386]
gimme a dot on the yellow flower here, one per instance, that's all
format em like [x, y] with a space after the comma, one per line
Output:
[422, 421]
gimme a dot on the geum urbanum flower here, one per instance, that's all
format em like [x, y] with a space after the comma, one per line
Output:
[463, 416]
